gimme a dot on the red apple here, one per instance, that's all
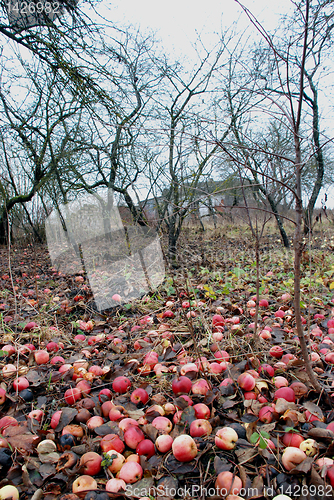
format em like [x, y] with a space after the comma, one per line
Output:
[72, 395]
[7, 421]
[41, 357]
[200, 387]
[133, 436]
[106, 407]
[20, 383]
[218, 320]
[121, 384]
[96, 370]
[226, 438]
[184, 448]
[292, 439]
[116, 486]
[163, 424]
[164, 443]
[111, 442]
[276, 351]
[146, 447]
[85, 387]
[330, 475]
[126, 423]
[30, 326]
[266, 414]
[57, 360]
[9, 349]
[52, 347]
[311, 417]
[246, 381]
[8, 370]
[139, 396]
[131, 472]
[90, 463]
[280, 382]
[181, 385]
[200, 427]
[285, 393]
[115, 414]
[133, 457]
[202, 411]
[227, 484]
[2, 396]
[55, 419]
[36, 415]
[94, 422]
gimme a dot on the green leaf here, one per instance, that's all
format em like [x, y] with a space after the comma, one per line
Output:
[262, 444]
[265, 435]
[254, 437]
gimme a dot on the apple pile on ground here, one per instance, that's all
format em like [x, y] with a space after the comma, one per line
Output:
[103, 406]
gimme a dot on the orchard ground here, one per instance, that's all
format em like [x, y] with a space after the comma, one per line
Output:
[198, 324]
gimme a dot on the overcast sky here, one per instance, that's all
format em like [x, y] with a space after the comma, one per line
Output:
[178, 23]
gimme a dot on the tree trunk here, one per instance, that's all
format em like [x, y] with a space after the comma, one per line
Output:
[319, 159]
[283, 234]
[4, 228]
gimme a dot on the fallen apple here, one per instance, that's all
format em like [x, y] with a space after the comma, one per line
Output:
[83, 483]
[131, 472]
[184, 448]
[226, 438]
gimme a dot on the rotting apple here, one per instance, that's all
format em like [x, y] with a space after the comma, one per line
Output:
[117, 460]
[83, 483]
[9, 492]
[310, 447]
[115, 485]
[292, 457]
[200, 387]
